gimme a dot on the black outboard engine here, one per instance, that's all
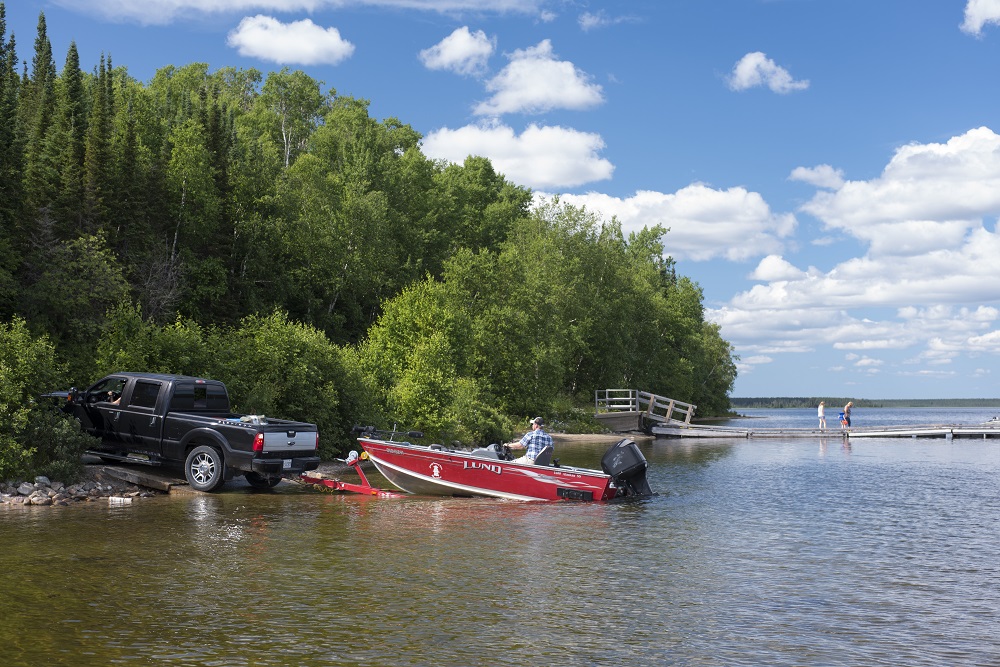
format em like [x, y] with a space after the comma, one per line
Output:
[627, 467]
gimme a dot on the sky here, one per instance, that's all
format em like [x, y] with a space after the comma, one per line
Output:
[828, 170]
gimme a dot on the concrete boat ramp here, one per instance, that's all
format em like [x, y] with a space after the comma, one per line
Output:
[947, 431]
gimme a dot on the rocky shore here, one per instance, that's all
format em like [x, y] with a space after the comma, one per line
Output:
[42, 491]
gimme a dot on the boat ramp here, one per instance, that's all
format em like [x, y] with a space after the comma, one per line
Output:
[626, 410]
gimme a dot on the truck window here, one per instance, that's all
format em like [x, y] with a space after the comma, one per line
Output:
[201, 397]
[144, 394]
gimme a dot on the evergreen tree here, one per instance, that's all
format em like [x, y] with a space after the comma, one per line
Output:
[41, 177]
[68, 140]
[97, 161]
[11, 156]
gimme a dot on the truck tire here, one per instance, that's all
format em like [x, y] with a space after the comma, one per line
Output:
[258, 481]
[205, 468]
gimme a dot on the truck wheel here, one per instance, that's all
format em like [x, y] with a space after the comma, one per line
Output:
[258, 481]
[204, 468]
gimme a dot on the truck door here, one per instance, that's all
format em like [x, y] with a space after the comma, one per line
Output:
[100, 411]
[139, 424]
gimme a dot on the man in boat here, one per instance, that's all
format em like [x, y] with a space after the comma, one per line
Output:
[533, 442]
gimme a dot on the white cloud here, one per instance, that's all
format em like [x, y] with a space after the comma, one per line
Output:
[774, 267]
[822, 176]
[928, 283]
[462, 52]
[929, 196]
[166, 11]
[535, 82]
[704, 222]
[756, 69]
[978, 13]
[540, 157]
[299, 43]
[591, 21]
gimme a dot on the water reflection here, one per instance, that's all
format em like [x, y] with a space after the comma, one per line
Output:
[881, 553]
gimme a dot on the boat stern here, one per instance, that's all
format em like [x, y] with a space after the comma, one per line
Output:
[626, 465]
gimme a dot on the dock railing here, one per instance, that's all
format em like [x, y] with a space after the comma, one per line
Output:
[651, 406]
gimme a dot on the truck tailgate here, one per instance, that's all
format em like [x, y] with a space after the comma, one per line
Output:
[290, 440]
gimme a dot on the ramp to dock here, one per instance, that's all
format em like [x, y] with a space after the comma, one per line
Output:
[635, 410]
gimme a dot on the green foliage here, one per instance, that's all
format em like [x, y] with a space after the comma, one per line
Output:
[149, 227]
[565, 305]
[280, 368]
[130, 343]
[35, 439]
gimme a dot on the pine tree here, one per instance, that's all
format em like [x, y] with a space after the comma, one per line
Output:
[11, 153]
[41, 179]
[97, 161]
[11, 149]
[68, 138]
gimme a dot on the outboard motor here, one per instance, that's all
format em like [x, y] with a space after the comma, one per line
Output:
[627, 467]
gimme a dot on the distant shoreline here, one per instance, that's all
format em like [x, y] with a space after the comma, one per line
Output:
[776, 402]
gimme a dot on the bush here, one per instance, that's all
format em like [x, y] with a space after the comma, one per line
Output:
[35, 439]
[273, 366]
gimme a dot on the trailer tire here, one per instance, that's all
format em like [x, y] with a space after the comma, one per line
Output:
[205, 468]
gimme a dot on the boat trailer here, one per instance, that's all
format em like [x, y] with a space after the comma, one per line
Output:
[364, 488]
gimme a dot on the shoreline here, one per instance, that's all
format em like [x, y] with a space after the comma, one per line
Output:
[570, 438]
[95, 485]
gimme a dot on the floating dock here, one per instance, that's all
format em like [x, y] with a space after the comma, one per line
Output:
[625, 410]
[947, 431]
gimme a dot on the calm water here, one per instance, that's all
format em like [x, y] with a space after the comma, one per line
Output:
[863, 417]
[880, 552]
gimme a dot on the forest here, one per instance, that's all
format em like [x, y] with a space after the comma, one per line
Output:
[264, 230]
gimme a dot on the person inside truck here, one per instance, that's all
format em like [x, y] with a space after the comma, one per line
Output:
[111, 392]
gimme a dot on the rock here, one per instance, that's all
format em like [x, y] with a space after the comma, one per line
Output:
[26, 489]
[42, 480]
[39, 499]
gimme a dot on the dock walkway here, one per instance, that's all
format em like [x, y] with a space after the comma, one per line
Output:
[948, 431]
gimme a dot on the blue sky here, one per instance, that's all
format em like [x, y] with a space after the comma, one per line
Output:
[829, 169]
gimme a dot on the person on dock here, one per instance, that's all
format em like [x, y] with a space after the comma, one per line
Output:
[847, 413]
[533, 442]
[821, 412]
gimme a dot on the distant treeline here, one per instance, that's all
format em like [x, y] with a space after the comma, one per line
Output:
[813, 401]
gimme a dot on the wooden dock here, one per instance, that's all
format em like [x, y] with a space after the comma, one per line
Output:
[627, 410]
[947, 431]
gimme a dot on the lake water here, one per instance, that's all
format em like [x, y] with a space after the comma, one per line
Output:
[799, 552]
[860, 417]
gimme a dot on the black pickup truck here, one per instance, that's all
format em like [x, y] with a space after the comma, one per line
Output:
[176, 419]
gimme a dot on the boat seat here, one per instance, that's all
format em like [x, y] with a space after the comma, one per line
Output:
[484, 453]
[544, 457]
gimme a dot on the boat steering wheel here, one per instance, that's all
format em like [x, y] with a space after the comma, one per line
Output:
[503, 452]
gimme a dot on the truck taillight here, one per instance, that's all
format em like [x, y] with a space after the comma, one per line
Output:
[317, 440]
[258, 442]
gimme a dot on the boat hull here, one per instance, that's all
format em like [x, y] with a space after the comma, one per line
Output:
[441, 472]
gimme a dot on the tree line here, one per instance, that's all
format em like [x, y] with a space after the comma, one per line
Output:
[265, 232]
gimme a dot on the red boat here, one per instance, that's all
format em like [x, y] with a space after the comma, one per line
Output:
[436, 470]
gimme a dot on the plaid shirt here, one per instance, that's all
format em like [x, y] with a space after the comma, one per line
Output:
[534, 442]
